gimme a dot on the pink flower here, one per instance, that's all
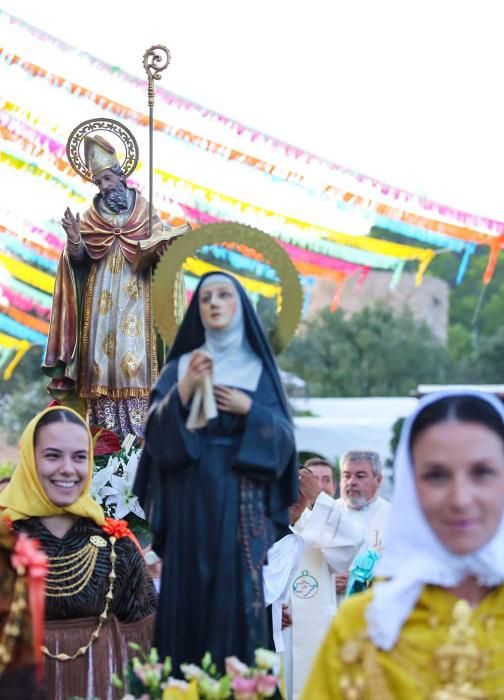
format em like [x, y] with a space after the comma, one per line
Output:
[267, 685]
[27, 555]
[244, 688]
[235, 667]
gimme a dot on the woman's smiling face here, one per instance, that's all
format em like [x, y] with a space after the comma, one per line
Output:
[459, 476]
[62, 458]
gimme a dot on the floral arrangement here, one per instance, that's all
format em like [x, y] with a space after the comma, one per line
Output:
[112, 483]
[149, 679]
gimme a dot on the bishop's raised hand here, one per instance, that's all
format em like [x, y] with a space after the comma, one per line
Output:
[71, 226]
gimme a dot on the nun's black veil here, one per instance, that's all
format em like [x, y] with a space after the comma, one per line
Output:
[190, 336]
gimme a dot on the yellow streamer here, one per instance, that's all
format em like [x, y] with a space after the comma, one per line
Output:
[371, 245]
[14, 363]
[7, 341]
[199, 267]
[21, 347]
[28, 274]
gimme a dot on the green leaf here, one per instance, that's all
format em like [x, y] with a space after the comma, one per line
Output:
[116, 681]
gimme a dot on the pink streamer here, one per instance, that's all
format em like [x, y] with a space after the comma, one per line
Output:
[465, 218]
[295, 252]
[321, 260]
[23, 303]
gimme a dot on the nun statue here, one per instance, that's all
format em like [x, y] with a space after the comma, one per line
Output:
[216, 478]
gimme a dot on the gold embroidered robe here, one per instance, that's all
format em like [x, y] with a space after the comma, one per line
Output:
[101, 339]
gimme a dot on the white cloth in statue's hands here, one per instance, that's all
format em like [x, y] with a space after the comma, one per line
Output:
[203, 406]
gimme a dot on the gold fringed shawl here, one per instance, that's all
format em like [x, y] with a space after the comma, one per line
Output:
[62, 351]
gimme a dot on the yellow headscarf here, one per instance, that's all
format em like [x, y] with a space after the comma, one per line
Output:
[25, 498]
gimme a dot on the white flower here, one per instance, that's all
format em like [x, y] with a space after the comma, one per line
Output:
[121, 495]
[192, 672]
[266, 659]
[99, 480]
[175, 683]
[118, 490]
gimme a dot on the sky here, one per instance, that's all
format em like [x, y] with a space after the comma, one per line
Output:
[406, 91]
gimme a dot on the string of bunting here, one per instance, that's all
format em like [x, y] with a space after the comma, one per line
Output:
[437, 239]
[400, 196]
[364, 202]
[344, 253]
[399, 227]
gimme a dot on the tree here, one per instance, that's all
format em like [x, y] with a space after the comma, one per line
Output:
[373, 353]
[23, 396]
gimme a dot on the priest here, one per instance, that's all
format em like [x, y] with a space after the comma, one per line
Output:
[299, 578]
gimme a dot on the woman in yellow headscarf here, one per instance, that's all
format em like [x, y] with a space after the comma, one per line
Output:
[99, 595]
[433, 627]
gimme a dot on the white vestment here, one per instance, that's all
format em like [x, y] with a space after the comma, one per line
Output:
[372, 519]
[300, 572]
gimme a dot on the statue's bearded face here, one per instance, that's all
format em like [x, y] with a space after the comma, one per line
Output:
[113, 190]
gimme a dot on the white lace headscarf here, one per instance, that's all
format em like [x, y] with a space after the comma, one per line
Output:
[413, 555]
[235, 364]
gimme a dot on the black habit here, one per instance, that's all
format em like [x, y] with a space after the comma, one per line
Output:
[216, 499]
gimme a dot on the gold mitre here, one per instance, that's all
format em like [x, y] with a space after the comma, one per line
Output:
[99, 154]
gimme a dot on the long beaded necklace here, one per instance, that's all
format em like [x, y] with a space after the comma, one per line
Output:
[250, 496]
[96, 542]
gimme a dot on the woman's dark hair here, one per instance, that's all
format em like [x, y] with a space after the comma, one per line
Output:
[465, 408]
[58, 416]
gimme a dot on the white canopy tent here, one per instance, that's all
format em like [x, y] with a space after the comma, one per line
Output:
[339, 425]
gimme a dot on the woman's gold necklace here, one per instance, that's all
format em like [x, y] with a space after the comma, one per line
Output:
[68, 575]
[85, 557]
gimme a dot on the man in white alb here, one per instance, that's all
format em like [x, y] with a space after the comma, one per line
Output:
[360, 479]
[299, 578]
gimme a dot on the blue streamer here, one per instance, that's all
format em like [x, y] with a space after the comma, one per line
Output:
[17, 330]
[20, 250]
[308, 285]
[464, 263]
[240, 262]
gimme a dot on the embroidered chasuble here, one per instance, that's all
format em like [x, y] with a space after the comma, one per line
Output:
[446, 651]
[118, 353]
[102, 339]
[324, 540]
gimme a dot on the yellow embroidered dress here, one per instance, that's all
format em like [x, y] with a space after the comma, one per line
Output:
[445, 651]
